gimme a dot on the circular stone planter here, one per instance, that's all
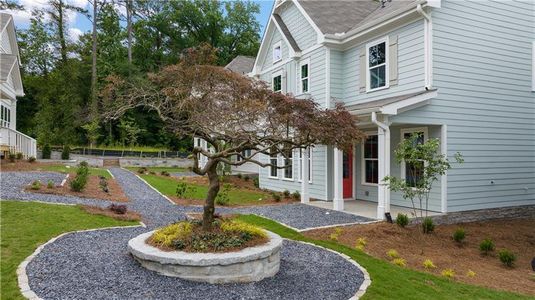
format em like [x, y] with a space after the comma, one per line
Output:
[247, 265]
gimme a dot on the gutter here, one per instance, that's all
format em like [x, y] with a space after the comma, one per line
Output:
[428, 46]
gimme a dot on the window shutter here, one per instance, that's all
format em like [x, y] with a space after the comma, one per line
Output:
[393, 60]
[362, 73]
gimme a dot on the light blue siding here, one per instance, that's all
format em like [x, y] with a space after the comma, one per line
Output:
[482, 69]
[305, 36]
[275, 37]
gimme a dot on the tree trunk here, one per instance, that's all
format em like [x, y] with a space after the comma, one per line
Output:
[209, 205]
[94, 104]
[129, 29]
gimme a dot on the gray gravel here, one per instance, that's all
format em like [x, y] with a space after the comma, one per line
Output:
[73, 268]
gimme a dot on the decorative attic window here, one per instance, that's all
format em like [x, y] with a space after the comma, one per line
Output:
[377, 66]
[277, 52]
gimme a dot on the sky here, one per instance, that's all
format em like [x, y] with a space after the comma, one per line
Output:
[79, 24]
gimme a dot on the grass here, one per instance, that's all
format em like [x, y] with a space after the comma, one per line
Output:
[167, 186]
[159, 169]
[127, 148]
[64, 169]
[26, 225]
[390, 281]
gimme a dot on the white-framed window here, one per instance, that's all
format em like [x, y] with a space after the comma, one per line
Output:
[277, 52]
[413, 172]
[276, 82]
[309, 164]
[377, 65]
[370, 160]
[288, 162]
[5, 116]
[273, 160]
[303, 76]
[244, 154]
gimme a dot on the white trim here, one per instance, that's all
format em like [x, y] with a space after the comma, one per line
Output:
[291, 50]
[299, 84]
[320, 38]
[287, 60]
[363, 162]
[385, 40]
[403, 131]
[355, 172]
[310, 154]
[275, 46]
[327, 77]
[444, 178]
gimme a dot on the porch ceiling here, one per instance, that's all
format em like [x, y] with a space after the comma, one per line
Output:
[393, 105]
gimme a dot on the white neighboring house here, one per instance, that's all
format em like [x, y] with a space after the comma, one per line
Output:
[242, 65]
[10, 88]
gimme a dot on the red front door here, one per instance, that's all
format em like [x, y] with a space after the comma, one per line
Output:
[347, 172]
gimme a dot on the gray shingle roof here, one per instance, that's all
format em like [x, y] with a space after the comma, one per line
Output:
[286, 32]
[385, 101]
[241, 64]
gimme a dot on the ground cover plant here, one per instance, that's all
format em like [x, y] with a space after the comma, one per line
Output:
[388, 279]
[147, 170]
[44, 166]
[26, 225]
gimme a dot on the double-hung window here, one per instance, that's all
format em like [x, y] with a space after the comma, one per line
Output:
[412, 172]
[273, 160]
[277, 52]
[276, 83]
[304, 76]
[370, 160]
[309, 150]
[288, 163]
[377, 68]
[244, 155]
[5, 117]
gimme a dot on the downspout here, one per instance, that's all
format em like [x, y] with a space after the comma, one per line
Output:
[428, 47]
[385, 157]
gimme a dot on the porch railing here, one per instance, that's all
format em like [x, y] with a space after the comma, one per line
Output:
[17, 141]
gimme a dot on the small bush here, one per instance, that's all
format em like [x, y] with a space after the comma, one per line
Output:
[449, 273]
[47, 151]
[36, 185]
[80, 181]
[402, 220]
[242, 227]
[296, 195]
[142, 170]
[336, 234]
[392, 253]
[399, 262]
[276, 197]
[50, 184]
[239, 175]
[471, 274]
[256, 182]
[165, 173]
[459, 235]
[181, 189]
[486, 246]
[361, 243]
[66, 153]
[31, 159]
[19, 155]
[246, 178]
[167, 235]
[84, 164]
[12, 157]
[428, 264]
[103, 184]
[286, 193]
[152, 173]
[119, 209]
[222, 197]
[427, 225]
[507, 258]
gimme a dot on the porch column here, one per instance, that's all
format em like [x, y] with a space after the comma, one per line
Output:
[338, 201]
[383, 201]
[305, 197]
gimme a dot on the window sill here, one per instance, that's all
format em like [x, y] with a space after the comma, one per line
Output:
[273, 177]
[377, 89]
[300, 180]
[369, 184]
[287, 179]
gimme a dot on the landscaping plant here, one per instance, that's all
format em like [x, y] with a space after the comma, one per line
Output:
[392, 253]
[31, 159]
[142, 170]
[103, 184]
[296, 195]
[507, 258]
[486, 246]
[402, 220]
[428, 264]
[50, 184]
[66, 153]
[80, 180]
[165, 173]
[12, 157]
[181, 189]
[19, 155]
[431, 164]
[195, 98]
[256, 182]
[427, 225]
[449, 273]
[459, 235]
[399, 262]
[470, 274]
[276, 197]
[286, 193]
[222, 197]
[119, 209]
[47, 151]
[36, 185]
[361, 243]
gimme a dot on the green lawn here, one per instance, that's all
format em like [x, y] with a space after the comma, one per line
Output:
[65, 169]
[127, 148]
[160, 169]
[167, 186]
[390, 281]
[25, 226]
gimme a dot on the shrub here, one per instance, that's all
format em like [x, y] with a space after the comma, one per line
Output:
[402, 220]
[296, 196]
[242, 227]
[427, 225]
[47, 151]
[286, 193]
[84, 164]
[256, 182]
[66, 153]
[36, 185]
[392, 253]
[31, 159]
[222, 197]
[50, 184]
[276, 197]
[246, 177]
[507, 258]
[152, 173]
[142, 170]
[448, 273]
[19, 155]
[12, 157]
[166, 235]
[486, 246]
[337, 232]
[471, 274]
[361, 243]
[119, 209]
[80, 181]
[165, 173]
[459, 235]
[239, 175]
[428, 264]
[399, 262]
[103, 184]
[181, 189]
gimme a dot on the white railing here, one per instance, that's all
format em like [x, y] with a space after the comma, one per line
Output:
[18, 142]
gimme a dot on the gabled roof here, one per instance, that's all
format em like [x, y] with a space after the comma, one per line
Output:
[393, 105]
[7, 23]
[241, 64]
[286, 32]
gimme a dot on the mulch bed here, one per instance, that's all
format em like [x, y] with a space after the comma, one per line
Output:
[517, 235]
[92, 190]
[23, 165]
[95, 210]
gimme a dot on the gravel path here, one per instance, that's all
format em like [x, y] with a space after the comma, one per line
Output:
[73, 268]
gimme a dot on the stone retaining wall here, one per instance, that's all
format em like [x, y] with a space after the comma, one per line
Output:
[514, 212]
[155, 162]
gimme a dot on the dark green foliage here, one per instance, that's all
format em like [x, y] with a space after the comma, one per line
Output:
[181, 189]
[31, 159]
[142, 170]
[50, 184]
[286, 193]
[165, 173]
[80, 181]
[246, 177]
[239, 175]
[402, 220]
[119, 209]
[19, 155]
[276, 197]
[256, 182]
[36, 185]
[459, 235]
[47, 151]
[222, 197]
[507, 258]
[84, 164]
[66, 153]
[427, 225]
[296, 195]
[486, 246]
[12, 157]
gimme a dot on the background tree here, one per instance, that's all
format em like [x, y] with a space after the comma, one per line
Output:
[232, 113]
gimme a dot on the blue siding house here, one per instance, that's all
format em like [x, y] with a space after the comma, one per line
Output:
[459, 71]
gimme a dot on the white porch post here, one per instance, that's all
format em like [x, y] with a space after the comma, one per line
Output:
[305, 197]
[338, 201]
[383, 201]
